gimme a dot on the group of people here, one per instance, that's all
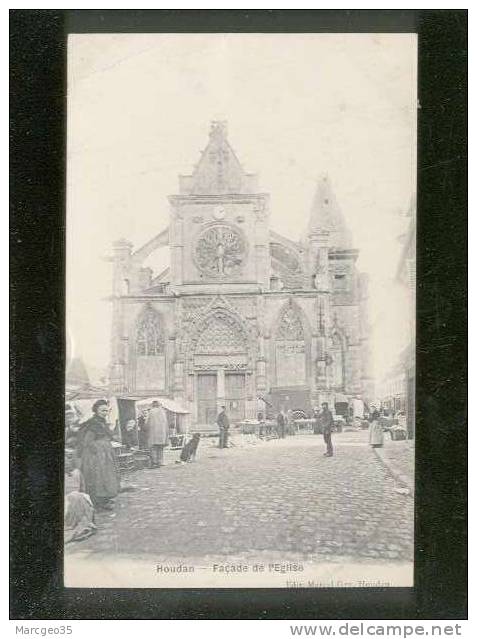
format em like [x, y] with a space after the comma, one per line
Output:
[92, 478]
[324, 423]
[284, 425]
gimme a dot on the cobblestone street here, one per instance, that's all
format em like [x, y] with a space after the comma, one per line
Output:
[281, 497]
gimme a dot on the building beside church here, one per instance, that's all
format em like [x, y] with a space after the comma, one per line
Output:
[243, 314]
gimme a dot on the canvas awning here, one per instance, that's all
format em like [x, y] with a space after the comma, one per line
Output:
[169, 404]
[340, 398]
[85, 391]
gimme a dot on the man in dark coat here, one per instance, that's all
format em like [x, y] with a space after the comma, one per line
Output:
[157, 433]
[224, 425]
[281, 419]
[326, 420]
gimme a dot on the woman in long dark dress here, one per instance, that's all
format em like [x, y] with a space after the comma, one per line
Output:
[98, 463]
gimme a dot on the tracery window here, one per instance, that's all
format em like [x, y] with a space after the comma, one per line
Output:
[290, 349]
[338, 362]
[290, 327]
[149, 334]
[222, 334]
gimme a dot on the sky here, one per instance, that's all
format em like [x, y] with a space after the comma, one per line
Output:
[297, 106]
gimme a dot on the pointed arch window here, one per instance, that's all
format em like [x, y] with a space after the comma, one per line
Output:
[338, 362]
[149, 334]
[150, 352]
[290, 327]
[290, 352]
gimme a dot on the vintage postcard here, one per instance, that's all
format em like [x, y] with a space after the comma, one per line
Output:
[240, 310]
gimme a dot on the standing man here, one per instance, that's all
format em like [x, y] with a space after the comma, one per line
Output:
[157, 433]
[281, 424]
[224, 425]
[326, 419]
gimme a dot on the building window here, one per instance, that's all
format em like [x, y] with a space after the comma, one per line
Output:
[338, 362]
[290, 349]
[340, 282]
[150, 353]
[149, 334]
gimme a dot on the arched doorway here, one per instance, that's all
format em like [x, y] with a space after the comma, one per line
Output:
[220, 362]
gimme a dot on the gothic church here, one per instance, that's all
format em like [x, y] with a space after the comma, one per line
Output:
[243, 315]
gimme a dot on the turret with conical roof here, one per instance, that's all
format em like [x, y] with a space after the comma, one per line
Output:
[326, 215]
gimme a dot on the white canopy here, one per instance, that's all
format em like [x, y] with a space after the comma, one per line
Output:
[340, 398]
[169, 404]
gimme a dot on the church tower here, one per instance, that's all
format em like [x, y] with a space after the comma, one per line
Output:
[331, 248]
[219, 224]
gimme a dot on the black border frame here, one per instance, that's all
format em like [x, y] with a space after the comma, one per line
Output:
[37, 187]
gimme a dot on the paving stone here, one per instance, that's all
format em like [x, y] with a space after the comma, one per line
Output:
[276, 496]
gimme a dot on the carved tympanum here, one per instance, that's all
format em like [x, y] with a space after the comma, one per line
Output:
[222, 334]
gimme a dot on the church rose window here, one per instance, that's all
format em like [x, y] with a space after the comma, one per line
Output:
[220, 251]
[149, 334]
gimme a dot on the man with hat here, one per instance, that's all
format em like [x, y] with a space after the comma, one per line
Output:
[326, 420]
[224, 425]
[156, 433]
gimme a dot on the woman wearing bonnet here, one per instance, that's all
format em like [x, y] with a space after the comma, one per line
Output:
[97, 460]
[376, 434]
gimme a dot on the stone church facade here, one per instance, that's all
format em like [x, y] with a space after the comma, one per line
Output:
[243, 315]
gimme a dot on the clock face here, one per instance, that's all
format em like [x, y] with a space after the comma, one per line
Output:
[220, 251]
[219, 213]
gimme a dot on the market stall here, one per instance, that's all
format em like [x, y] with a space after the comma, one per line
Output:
[341, 405]
[305, 424]
[133, 414]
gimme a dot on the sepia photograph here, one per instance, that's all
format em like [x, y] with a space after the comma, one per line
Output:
[240, 310]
